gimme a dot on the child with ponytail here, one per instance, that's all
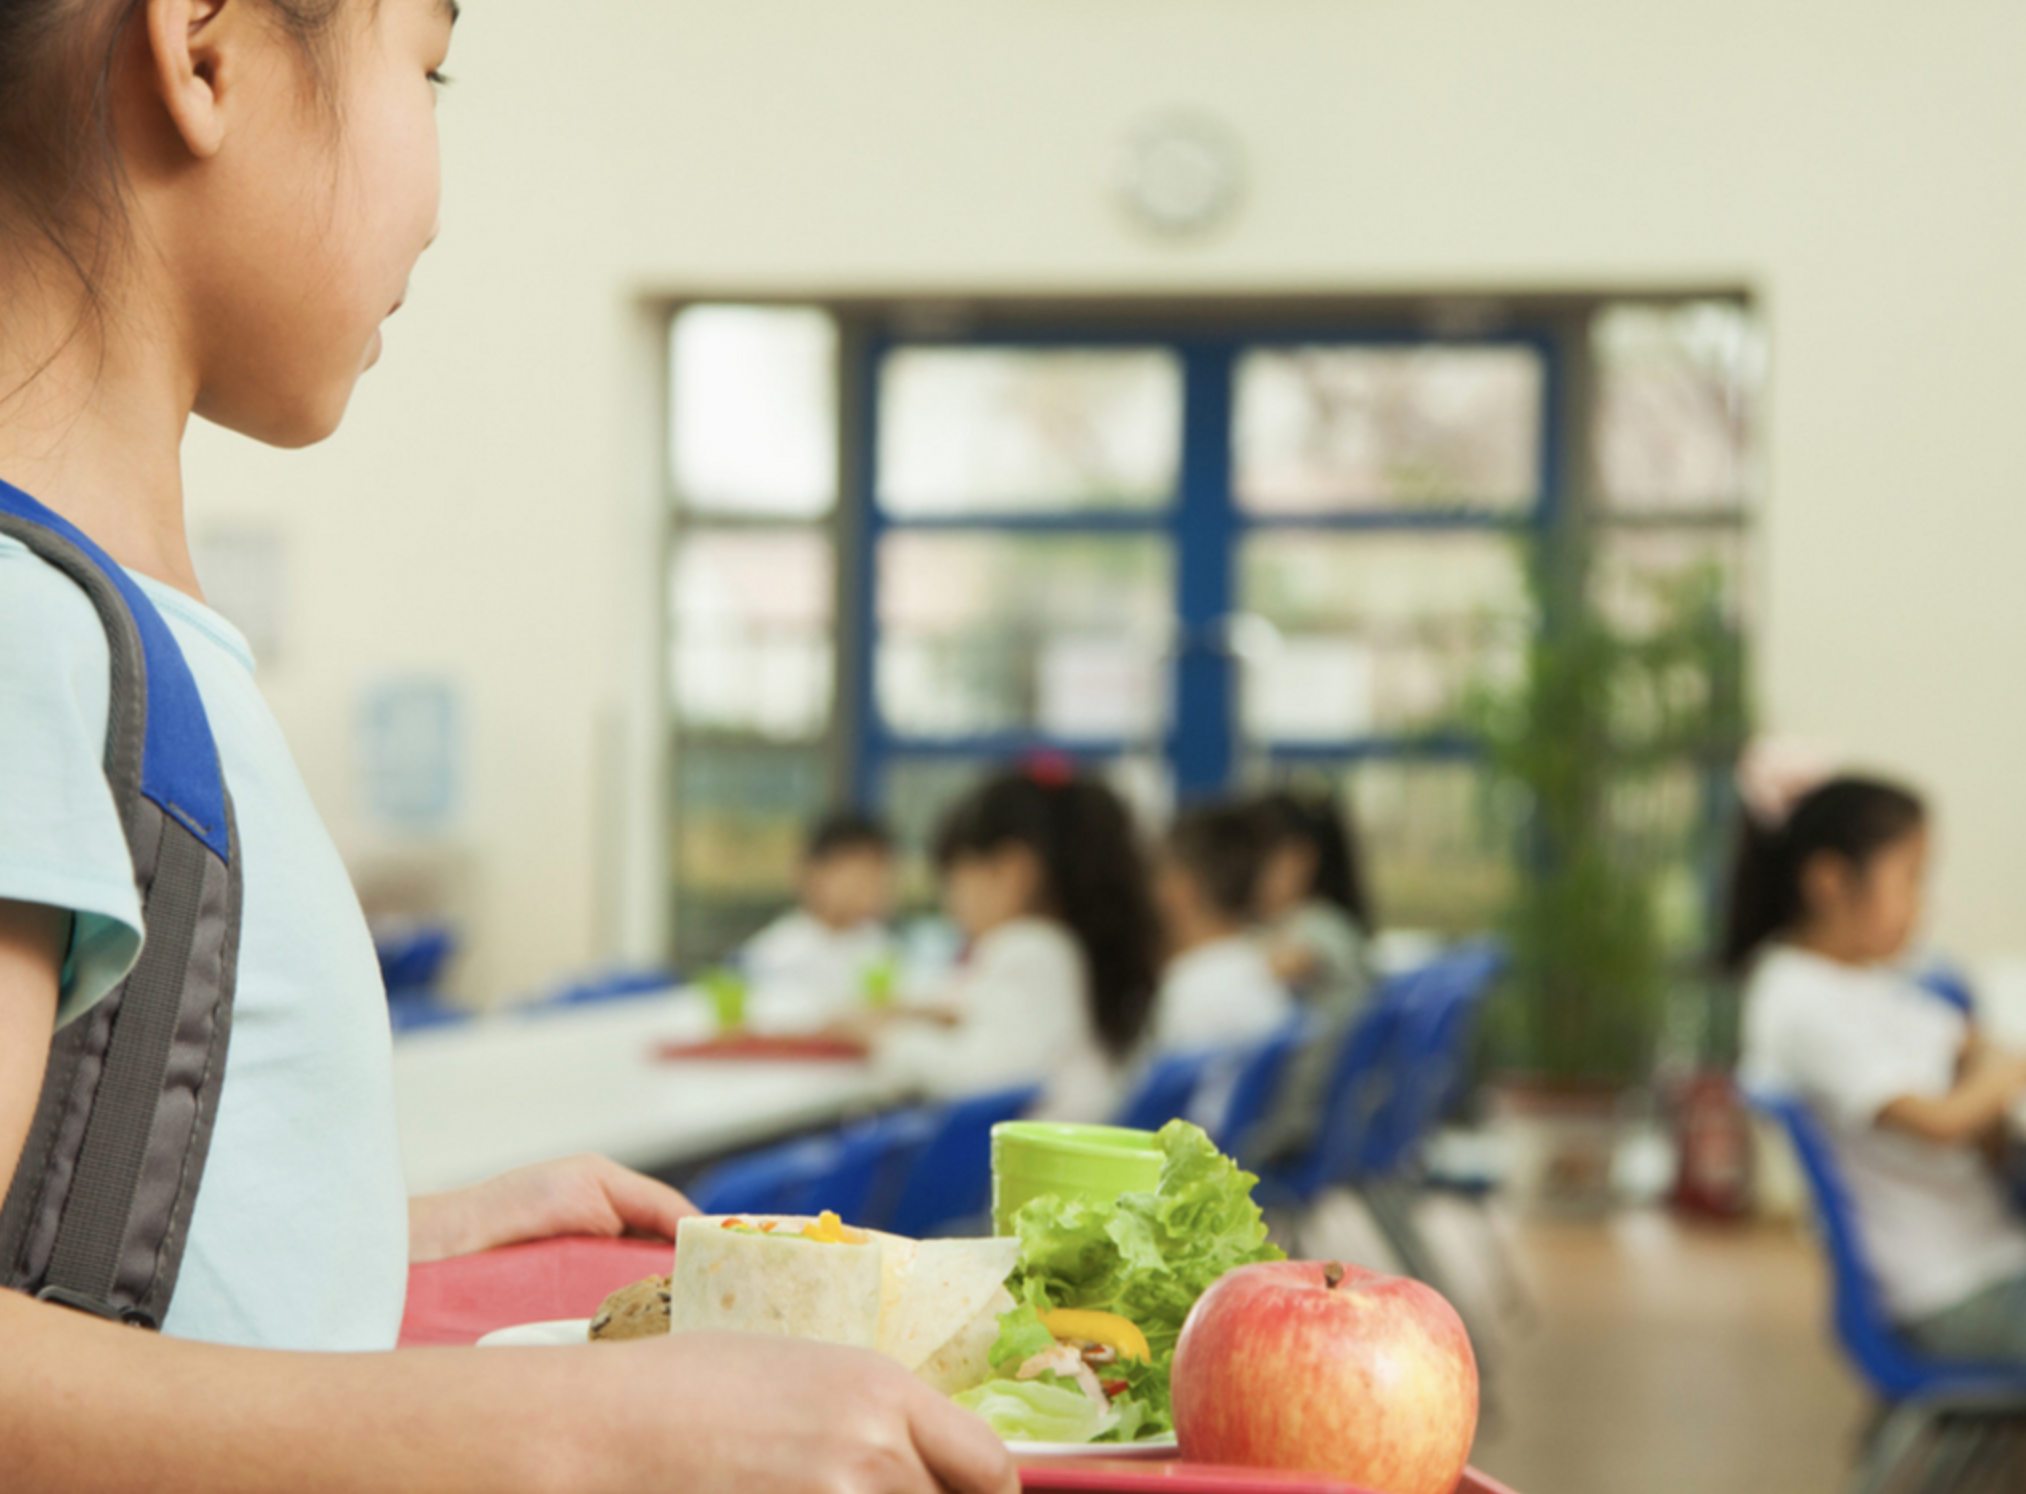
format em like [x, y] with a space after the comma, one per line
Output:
[209, 207]
[1044, 875]
[1826, 896]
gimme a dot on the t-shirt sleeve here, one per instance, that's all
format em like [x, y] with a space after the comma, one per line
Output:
[1850, 1068]
[61, 844]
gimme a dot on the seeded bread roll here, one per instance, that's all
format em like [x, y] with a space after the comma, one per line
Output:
[636, 1311]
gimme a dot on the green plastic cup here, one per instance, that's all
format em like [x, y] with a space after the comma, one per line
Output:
[727, 992]
[1032, 1158]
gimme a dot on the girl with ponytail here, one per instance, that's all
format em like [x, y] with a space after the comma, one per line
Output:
[1044, 874]
[1825, 899]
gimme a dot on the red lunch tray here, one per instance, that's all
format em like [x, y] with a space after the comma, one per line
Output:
[460, 1301]
[1134, 1476]
[765, 1049]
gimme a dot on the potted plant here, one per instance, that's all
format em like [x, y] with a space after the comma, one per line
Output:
[1605, 749]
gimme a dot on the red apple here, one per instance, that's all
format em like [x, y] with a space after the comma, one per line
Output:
[1328, 1369]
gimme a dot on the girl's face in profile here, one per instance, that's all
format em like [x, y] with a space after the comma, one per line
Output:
[312, 217]
[1872, 911]
[983, 890]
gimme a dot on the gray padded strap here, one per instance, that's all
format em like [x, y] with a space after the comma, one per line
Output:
[89, 1244]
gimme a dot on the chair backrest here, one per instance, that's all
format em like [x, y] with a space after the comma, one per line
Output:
[1430, 1053]
[1165, 1088]
[614, 985]
[846, 1171]
[1257, 1083]
[1361, 1083]
[1863, 1326]
[951, 1180]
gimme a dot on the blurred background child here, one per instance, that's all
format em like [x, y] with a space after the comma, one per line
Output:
[822, 958]
[1217, 988]
[1043, 874]
[1310, 902]
[1825, 899]
[1316, 925]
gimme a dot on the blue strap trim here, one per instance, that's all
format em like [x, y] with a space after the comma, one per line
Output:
[180, 772]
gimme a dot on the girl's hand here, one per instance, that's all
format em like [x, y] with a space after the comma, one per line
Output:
[570, 1196]
[752, 1415]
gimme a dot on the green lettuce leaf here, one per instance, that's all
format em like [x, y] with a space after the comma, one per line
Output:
[1022, 1335]
[1030, 1411]
[1147, 1258]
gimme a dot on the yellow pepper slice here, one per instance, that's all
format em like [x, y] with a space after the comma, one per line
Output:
[1092, 1327]
[831, 1230]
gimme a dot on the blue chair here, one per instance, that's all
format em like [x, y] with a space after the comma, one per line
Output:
[1257, 1083]
[1945, 1414]
[611, 985]
[845, 1171]
[1942, 979]
[950, 1183]
[1166, 1088]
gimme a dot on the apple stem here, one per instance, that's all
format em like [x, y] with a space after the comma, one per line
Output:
[1333, 1275]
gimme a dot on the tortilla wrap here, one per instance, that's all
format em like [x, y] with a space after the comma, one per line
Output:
[923, 1293]
[752, 1283]
[965, 1362]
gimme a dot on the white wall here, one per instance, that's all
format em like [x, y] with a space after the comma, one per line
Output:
[487, 509]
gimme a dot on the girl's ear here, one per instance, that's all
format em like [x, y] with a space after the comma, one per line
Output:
[194, 48]
[1825, 883]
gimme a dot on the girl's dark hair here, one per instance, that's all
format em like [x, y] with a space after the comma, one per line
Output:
[1324, 824]
[1223, 847]
[1852, 818]
[1096, 881]
[61, 180]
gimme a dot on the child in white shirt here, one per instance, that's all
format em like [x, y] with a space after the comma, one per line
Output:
[1909, 1092]
[1218, 989]
[1043, 873]
[819, 960]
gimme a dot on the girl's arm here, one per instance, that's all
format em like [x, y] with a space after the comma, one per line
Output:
[31, 957]
[1991, 1081]
[90, 1408]
[570, 1196]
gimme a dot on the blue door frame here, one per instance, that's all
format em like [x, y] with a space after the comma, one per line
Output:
[1206, 527]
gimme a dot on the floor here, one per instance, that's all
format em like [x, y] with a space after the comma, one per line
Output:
[1658, 1358]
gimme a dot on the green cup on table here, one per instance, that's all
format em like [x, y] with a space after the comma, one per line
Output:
[881, 982]
[1032, 1158]
[726, 989]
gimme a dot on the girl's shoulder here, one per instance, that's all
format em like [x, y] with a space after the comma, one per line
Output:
[51, 639]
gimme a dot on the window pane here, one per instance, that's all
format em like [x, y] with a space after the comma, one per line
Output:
[753, 429]
[742, 811]
[1352, 635]
[1331, 429]
[1062, 635]
[1642, 579]
[751, 645]
[1008, 431]
[1677, 396]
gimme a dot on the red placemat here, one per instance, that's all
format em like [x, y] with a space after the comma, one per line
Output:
[460, 1301]
[766, 1049]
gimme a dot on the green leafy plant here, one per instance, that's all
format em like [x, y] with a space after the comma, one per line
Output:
[1603, 750]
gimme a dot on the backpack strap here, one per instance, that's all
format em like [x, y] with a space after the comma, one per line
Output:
[100, 1206]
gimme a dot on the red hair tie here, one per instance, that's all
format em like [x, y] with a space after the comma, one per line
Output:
[1049, 768]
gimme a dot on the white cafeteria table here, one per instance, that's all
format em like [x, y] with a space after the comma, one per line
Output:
[483, 1096]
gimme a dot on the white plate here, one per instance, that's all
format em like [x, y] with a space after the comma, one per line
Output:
[1154, 1447]
[561, 1332]
[565, 1331]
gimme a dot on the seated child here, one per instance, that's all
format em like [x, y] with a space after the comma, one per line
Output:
[1825, 899]
[1218, 989]
[819, 959]
[1315, 924]
[1043, 874]
[1310, 902]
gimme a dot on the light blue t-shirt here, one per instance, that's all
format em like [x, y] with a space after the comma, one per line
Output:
[300, 1235]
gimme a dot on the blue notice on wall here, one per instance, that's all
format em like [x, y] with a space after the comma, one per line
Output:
[409, 749]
